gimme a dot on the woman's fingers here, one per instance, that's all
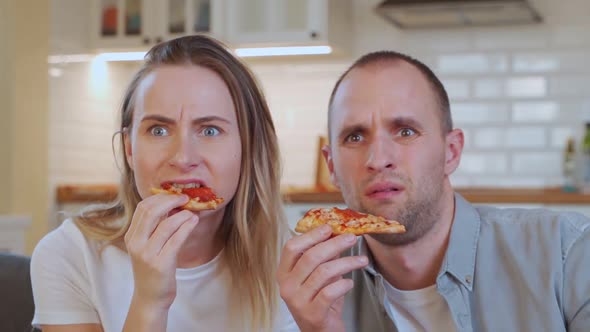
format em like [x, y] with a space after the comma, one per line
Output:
[149, 213]
[165, 229]
[175, 242]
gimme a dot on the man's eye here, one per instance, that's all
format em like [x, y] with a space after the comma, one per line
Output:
[354, 138]
[211, 131]
[406, 132]
[158, 131]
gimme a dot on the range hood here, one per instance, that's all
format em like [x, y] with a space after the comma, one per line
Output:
[407, 14]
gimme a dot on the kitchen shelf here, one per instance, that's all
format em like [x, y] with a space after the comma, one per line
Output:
[108, 192]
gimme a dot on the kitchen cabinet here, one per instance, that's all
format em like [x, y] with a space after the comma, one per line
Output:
[289, 22]
[140, 24]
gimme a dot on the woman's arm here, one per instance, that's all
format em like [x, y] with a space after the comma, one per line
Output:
[72, 328]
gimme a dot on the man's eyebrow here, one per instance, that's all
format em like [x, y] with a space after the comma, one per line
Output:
[404, 121]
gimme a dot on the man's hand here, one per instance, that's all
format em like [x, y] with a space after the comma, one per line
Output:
[310, 278]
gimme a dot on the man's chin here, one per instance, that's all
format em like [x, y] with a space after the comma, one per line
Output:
[395, 240]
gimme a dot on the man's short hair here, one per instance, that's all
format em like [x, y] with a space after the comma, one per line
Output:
[390, 56]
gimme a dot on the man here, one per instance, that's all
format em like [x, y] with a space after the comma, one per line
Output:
[457, 267]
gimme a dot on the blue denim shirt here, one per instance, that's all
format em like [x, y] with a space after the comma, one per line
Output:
[504, 270]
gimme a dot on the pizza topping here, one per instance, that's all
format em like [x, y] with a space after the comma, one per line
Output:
[203, 193]
[347, 221]
[348, 214]
[192, 190]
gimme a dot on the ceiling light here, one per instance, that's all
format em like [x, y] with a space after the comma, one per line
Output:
[279, 51]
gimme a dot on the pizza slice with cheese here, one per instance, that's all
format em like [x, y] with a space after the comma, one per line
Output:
[347, 221]
[201, 197]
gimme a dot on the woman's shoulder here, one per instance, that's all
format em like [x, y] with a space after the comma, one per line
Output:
[66, 243]
[66, 237]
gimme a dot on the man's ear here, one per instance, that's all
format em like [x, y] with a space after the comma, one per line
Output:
[128, 148]
[453, 150]
[327, 152]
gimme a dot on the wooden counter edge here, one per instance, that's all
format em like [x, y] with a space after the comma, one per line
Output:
[473, 195]
[106, 193]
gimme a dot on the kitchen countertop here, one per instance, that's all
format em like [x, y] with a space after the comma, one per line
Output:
[108, 192]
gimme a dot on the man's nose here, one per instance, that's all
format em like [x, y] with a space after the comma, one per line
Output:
[380, 154]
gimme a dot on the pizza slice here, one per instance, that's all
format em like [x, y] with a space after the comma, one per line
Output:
[347, 221]
[201, 198]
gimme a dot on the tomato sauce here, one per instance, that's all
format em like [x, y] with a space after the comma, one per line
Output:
[203, 193]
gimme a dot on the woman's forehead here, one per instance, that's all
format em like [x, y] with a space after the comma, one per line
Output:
[188, 88]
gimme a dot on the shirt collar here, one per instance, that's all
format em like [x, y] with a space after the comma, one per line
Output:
[460, 257]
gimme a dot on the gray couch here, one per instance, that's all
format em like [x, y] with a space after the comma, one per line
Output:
[16, 296]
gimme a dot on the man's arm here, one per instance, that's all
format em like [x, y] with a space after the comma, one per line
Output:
[576, 299]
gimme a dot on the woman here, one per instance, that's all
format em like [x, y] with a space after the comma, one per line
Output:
[192, 116]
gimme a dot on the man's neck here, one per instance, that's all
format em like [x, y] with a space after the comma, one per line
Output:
[416, 265]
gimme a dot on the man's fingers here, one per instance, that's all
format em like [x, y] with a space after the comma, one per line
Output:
[296, 246]
[319, 254]
[330, 272]
[324, 300]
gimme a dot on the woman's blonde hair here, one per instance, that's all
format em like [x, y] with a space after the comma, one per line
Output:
[253, 225]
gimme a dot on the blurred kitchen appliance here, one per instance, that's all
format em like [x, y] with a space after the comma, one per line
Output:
[407, 14]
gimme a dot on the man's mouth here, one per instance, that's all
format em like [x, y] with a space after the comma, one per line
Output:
[383, 189]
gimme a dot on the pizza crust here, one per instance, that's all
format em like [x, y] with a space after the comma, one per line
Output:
[194, 204]
[354, 223]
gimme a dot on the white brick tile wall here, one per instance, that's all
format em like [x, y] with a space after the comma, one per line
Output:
[489, 138]
[526, 87]
[570, 86]
[479, 113]
[483, 163]
[472, 64]
[560, 135]
[511, 38]
[531, 137]
[535, 111]
[517, 92]
[489, 88]
[563, 61]
[456, 88]
[537, 163]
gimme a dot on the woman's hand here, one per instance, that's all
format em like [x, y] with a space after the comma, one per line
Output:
[153, 242]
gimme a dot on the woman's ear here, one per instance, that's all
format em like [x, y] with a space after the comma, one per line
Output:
[454, 149]
[128, 146]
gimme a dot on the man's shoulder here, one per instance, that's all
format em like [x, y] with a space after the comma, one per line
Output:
[539, 224]
[532, 217]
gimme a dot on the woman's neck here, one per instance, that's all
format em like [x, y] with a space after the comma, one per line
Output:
[204, 243]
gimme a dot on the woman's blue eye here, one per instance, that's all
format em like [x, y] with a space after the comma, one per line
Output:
[158, 131]
[211, 131]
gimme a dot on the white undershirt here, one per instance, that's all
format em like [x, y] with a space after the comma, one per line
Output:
[418, 310]
[75, 282]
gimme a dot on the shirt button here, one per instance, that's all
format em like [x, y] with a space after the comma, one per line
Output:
[468, 279]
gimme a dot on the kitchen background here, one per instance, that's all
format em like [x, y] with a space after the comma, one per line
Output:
[518, 91]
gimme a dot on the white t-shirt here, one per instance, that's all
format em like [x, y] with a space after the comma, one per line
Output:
[73, 284]
[418, 310]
